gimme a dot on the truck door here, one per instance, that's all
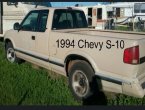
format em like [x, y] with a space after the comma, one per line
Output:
[25, 37]
[42, 39]
[42, 35]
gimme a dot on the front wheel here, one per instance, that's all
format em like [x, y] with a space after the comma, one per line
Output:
[82, 80]
[10, 54]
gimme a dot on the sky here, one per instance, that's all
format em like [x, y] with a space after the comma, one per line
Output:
[63, 4]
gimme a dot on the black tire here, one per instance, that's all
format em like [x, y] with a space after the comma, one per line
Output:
[10, 54]
[86, 76]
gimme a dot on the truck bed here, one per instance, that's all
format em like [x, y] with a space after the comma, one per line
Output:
[107, 33]
[130, 38]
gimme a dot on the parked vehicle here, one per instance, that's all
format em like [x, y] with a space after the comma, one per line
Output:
[59, 39]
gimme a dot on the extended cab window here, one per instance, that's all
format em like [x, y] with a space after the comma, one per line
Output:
[30, 22]
[69, 19]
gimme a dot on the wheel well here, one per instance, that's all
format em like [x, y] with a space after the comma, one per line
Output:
[6, 41]
[70, 60]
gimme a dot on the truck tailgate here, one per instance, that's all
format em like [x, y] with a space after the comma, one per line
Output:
[141, 72]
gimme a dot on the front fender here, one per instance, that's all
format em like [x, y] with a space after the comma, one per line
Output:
[9, 36]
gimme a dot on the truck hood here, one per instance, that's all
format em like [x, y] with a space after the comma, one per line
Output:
[107, 33]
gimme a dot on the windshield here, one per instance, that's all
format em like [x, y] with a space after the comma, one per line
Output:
[69, 19]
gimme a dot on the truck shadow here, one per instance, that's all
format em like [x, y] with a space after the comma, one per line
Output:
[98, 98]
[1, 39]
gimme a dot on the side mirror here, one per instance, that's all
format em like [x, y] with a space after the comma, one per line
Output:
[16, 26]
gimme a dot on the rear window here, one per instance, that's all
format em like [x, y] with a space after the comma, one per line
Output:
[69, 19]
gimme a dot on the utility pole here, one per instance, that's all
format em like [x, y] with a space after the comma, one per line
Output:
[1, 18]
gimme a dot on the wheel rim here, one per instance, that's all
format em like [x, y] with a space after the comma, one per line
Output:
[11, 55]
[80, 83]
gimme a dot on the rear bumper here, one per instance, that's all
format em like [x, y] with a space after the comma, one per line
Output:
[134, 89]
[130, 86]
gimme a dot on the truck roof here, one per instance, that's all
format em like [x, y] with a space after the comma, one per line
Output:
[53, 8]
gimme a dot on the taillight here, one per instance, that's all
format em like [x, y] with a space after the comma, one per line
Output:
[131, 55]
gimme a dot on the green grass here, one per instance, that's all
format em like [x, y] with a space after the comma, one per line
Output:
[122, 28]
[24, 85]
[125, 28]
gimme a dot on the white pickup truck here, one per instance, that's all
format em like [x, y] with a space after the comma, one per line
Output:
[59, 39]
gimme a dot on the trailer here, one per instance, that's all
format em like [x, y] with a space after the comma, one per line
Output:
[11, 12]
[106, 16]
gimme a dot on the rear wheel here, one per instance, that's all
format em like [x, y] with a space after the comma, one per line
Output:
[10, 54]
[81, 80]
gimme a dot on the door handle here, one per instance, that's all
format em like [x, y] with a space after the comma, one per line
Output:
[33, 37]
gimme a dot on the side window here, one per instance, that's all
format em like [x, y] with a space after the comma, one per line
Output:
[80, 20]
[62, 20]
[65, 20]
[43, 20]
[62, 17]
[69, 19]
[30, 22]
